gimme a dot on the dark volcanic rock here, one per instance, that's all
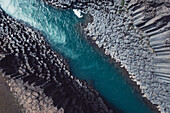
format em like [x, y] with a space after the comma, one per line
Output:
[29, 59]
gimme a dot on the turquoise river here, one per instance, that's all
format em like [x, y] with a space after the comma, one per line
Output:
[86, 62]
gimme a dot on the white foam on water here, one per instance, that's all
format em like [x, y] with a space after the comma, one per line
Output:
[78, 12]
[59, 36]
[70, 53]
[30, 14]
[8, 5]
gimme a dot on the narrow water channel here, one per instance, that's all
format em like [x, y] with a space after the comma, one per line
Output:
[60, 28]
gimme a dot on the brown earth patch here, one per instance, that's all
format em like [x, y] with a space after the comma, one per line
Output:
[8, 104]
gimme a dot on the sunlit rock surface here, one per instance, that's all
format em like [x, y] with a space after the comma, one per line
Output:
[137, 34]
[38, 76]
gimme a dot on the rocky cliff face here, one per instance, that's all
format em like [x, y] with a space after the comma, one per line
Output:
[137, 34]
[38, 76]
[152, 18]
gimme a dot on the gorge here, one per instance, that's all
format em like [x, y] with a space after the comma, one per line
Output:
[61, 29]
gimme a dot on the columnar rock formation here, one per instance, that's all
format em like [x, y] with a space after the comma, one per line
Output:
[38, 76]
[153, 19]
[135, 33]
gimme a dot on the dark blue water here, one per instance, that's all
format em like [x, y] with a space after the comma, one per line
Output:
[61, 28]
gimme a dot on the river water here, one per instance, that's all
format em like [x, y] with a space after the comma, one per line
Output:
[62, 34]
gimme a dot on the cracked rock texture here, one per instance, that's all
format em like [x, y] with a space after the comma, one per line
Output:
[135, 33]
[38, 76]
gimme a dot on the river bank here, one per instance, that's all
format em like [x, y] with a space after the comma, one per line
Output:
[124, 34]
[132, 51]
[39, 77]
[125, 74]
[119, 66]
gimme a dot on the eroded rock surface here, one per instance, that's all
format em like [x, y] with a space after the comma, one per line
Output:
[38, 76]
[135, 33]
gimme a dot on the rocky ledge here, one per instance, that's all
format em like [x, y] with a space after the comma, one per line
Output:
[136, 33]
[38, 76]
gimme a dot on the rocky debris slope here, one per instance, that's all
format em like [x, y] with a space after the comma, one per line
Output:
[40, 77]
[135, 33]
